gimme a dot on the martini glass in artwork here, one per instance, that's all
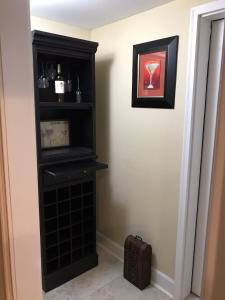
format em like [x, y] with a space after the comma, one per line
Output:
[151, 67]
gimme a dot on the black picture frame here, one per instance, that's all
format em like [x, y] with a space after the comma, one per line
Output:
[170, 47]
[55, 127]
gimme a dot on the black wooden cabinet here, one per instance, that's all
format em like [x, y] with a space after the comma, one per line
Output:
[67, 181]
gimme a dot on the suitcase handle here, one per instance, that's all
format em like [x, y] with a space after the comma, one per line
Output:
[138, 238]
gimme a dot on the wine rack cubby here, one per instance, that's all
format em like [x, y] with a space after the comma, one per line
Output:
[69, 213]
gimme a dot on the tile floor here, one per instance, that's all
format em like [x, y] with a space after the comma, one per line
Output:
[104, 282]
[192, 297]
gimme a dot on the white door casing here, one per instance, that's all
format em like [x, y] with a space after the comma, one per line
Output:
[199, 41]
[213, 87]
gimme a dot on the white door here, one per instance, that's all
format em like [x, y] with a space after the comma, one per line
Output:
[214, 72]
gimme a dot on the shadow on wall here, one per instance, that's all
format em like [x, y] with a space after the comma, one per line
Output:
[103, 107]
[109, 209]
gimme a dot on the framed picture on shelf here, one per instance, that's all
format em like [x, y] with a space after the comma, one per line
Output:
[55, 134]
[154, 73]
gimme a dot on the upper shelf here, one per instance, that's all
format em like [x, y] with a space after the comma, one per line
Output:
[44, 39]
[66, 105]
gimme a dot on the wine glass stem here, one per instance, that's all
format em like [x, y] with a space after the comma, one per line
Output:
[150, 80]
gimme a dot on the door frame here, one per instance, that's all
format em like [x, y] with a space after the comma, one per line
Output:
[19, 149]
[208, 149]
[199, 42]
[7, 282]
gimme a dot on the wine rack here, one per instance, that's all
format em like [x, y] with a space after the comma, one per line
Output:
[66, 174]
[69, 213]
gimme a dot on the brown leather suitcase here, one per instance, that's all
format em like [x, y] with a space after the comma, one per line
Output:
[137, 261]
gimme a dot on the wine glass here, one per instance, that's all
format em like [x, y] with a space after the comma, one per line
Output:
[68, 84]
[43, 82]
[51, 71]
[151, 67]
[78, 91]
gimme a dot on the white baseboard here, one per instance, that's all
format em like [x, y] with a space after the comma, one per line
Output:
[159, 279]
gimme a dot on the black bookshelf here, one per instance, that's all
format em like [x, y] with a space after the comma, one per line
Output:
[66, 105]
[67, 175]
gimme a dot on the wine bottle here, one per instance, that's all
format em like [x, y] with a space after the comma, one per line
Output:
[59, 84]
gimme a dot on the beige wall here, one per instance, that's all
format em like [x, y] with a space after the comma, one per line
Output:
[59, 28]
[139, 193]
[17, 109]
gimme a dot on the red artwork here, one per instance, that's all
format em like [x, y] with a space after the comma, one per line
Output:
[151, 74]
